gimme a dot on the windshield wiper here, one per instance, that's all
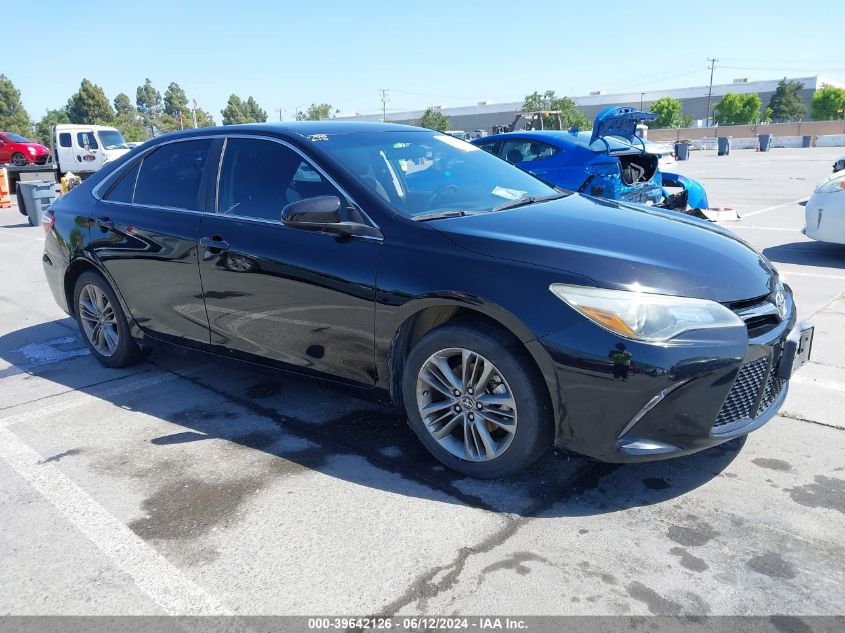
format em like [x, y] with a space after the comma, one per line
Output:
[513, 204]
[439, 215]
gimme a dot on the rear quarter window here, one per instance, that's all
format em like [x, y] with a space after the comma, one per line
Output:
[171, 176]
[64, 139]
[123, 189]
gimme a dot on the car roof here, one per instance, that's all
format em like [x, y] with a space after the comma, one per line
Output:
[547, 136]
[300, 128]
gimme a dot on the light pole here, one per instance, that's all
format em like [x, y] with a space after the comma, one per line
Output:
[642, 94]
[710, 90]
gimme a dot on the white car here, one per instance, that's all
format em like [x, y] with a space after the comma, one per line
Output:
[824, 215]
[839, 164]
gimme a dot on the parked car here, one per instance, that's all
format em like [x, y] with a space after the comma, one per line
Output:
[824, 214]
[458, 134]
[611, 161]
[83, 149]
[503, 315]
[839, 164]
[20, 151]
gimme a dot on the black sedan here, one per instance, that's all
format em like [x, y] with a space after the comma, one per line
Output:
[504, 316]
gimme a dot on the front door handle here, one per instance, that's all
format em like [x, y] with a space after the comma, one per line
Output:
[105, 223]
[214, 244]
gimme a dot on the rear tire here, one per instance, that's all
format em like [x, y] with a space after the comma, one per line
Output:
[489, 418]
[103, 324]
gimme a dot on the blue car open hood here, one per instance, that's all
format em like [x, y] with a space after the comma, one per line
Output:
[619, 121]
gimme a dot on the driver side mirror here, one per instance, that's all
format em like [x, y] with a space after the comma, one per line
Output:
[322, 213]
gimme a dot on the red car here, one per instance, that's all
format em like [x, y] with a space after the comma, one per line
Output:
[19, 151]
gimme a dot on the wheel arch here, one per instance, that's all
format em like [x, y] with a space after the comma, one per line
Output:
[431, 315]
[75, 270]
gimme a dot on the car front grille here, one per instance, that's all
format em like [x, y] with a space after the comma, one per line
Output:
[41, 160]
[741, 401]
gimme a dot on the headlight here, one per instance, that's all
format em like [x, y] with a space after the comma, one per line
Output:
[837, 184]
[643, 316]
[31, 150]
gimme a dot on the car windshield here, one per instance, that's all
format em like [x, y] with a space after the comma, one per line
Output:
[112, 139]
[420, 172]
[17, 138]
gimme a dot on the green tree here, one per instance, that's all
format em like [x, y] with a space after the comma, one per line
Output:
[736, 109]
[668, 111]
[785, 103]
[434, 119]
[253, 112]
[50, 118]
[828, 103]
[123, 106]
[238, 111]
[204, 119]
[570, 116]
[233, 113]
[686, 120]
[90, 105]
[13, 116]
[315, 112]
[175, 100]
[150, 107]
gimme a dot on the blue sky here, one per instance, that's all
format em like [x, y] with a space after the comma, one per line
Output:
[426, 52]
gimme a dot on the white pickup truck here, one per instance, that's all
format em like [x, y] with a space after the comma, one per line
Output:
[81, 149]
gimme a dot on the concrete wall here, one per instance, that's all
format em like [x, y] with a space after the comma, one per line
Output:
[807, 128]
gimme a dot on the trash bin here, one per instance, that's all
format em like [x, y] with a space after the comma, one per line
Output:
[807, 141]
[37, 195]
[724, 145]
[682, 151]
[765, 141]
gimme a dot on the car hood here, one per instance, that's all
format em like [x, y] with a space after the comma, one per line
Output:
[619, 246]
[619, 121]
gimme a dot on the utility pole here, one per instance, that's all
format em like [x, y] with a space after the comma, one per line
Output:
[642, 94]
[712, 61]
[384, 99]
[279, 110]
[194, 113]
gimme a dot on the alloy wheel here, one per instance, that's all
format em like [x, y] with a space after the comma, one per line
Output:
[98, 319]
[466, 404]
[19, 160]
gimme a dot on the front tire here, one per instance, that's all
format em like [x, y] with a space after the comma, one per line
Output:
[19, 160]
[476, 401]
[102, 323]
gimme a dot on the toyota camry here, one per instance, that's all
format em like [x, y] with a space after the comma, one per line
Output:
[503, 315]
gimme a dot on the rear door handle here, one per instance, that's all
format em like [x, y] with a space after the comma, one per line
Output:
[215, 243]
[105, 223]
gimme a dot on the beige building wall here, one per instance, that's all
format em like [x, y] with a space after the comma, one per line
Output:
[807, 128]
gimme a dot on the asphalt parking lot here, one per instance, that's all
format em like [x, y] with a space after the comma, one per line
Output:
[189, 485]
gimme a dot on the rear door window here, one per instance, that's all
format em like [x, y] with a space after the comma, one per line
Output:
[488, 146]
[64, 139]
[521, 151]
[172, 175]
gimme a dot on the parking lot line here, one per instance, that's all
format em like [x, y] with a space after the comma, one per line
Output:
[777, 206]
[155, 576]
[761, 228]
[80, 399]
[794, 273]
[819, 382]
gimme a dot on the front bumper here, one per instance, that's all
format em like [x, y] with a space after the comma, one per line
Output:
[824, 217]
[674, 399]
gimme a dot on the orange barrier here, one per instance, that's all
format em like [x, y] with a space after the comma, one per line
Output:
[5, 198]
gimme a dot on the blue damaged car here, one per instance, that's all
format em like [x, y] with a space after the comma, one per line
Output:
[610, 161]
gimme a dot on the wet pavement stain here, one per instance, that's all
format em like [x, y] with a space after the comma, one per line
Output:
[264, 390]
[772, 564]
[197, 414]
[688, 561]
[772, 464]
[516, 562]
[58, 456]
[657, 604]
[826, 492]
[698, 533]
[656, 483]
